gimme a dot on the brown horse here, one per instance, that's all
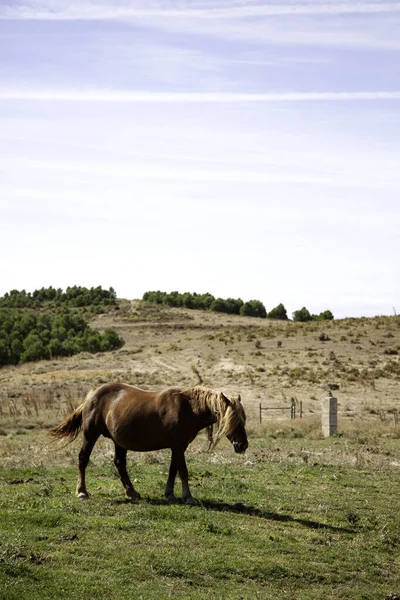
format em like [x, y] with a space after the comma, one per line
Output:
[143, 421]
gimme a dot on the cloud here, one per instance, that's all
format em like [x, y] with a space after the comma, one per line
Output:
[198, 173]
[104, 95]
[351, 24]
[209, 11]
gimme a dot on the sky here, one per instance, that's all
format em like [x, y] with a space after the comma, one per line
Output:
[245, 148]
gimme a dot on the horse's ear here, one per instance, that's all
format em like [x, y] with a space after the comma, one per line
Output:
[239, 398]
[225, 399]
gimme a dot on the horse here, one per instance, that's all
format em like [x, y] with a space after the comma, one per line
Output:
[144, 421]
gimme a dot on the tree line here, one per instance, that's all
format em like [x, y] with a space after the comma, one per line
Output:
[49, 324]
[232, 306]
[73, 297]
[251, 308]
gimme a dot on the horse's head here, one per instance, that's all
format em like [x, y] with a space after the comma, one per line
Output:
[235, 428]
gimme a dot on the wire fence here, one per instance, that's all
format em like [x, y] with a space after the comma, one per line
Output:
[294, 413]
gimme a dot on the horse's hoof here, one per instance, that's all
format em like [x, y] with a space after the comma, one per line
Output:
[133, 499]
[172, 499]
[83, 496]
[191, 501]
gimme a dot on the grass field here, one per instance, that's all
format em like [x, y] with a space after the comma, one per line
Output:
[297, 516]
[293, 518]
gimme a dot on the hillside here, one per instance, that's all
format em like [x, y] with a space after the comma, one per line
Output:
[297, 516]
[266, 361]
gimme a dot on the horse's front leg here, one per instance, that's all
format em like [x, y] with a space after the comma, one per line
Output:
[178, 464]
[210, 437]
[120, 462]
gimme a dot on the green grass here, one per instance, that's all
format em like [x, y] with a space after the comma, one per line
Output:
[264, 529]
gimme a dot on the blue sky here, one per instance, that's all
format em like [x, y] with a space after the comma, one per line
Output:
[245, 148]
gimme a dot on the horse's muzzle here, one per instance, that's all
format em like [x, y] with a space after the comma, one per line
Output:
[240, 447]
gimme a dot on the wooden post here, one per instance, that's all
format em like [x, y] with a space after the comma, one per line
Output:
[329, 415]
[260, 413]
[301, 409]
[293, 410]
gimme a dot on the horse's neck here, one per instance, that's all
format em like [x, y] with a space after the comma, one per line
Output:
[204, 415]
[205, 419]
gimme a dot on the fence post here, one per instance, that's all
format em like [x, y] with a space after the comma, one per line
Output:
[301, 409]
[260, 413]
[293, 410]
[329, 415]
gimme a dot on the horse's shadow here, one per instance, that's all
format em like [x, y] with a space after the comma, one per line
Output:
[242, 509]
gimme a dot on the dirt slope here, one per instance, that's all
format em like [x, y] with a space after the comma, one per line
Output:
[265, 361]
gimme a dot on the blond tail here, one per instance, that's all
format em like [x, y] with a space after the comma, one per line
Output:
[70, 427]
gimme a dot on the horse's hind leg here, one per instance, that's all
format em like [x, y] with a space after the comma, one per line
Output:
[169, 488]
[120, 462]
[84, 456]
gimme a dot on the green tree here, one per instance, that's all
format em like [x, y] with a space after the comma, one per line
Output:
[27, 336]
[218, 305]
[93, 342]
[34, 348]
[302, 315]
[253, 308]
[111, 337]
[69, 347]
[16, 349]
[154, 297]
[55, 348]
[4, 351]
[204, 301]
[325, 316]
[173, 299]
[279, 312]
[26, 322]
[233, 306]
[189, 300]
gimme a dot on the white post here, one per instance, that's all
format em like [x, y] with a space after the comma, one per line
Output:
[329, 416]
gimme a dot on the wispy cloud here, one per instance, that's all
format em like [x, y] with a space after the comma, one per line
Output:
[305, 22]
[144, 171]
[179, 173]
[135, 10]
[103, 95]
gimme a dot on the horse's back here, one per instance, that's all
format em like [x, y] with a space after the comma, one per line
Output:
[134, 418]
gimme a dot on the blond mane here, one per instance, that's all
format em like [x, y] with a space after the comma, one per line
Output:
[228, 412]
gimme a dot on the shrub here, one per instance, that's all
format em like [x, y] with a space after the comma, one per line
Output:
[172, 299]
[253, 308]
[229, 306]
[302, 315]
[324, 338]
[326, 316]
[203, 301]
[279, 312]
[154, 297]
[218, 305]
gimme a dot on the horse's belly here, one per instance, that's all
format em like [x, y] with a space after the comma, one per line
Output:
[140, 439]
